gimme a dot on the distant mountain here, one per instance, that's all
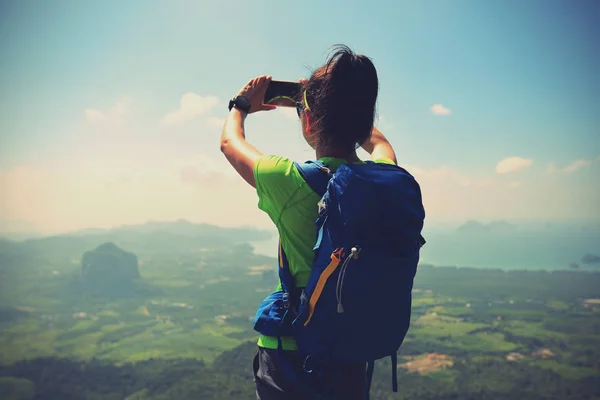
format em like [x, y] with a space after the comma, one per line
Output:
[501, 226]
[476, 227]
[590, 259]
[473, 227]
[17, 229]
[19, 235]
[176, 236]
[180, 227]
[109, 271]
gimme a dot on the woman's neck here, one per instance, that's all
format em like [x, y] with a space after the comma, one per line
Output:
[349, 157]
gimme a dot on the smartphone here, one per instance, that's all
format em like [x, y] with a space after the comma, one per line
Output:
[282, 93]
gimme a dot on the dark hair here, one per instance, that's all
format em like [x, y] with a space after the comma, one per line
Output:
[342, 96]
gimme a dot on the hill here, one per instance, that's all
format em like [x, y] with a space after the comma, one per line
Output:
[109, 270]
[476, 227]
[152, 237]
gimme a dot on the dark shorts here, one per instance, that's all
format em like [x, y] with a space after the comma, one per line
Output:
[346, 381]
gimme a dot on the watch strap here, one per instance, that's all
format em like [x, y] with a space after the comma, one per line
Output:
[235, 103]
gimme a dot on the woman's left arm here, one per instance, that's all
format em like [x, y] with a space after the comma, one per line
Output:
[241, 154]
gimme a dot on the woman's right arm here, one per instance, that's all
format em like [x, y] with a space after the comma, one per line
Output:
[379, 147]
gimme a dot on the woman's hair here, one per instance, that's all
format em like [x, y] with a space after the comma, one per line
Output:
[342, 96]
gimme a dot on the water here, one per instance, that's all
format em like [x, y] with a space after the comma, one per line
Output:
[534, 249]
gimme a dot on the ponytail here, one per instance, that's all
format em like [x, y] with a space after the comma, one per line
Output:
[342, 96]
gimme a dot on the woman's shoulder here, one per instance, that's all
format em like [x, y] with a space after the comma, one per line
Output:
[277, 182]
[275, 170]
[383, 160]
[272, 164]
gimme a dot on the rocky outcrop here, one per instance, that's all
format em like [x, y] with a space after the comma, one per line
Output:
[109, 270]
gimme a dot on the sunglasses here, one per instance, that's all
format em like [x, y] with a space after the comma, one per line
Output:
[301, 106]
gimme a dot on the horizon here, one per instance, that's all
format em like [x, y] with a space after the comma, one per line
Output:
[111, 113]
[436, 226]
[501, 245]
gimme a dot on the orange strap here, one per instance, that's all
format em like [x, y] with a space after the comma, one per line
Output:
[280, 255]
[335, 261]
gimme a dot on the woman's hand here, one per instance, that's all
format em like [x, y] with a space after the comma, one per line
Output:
[255, 91]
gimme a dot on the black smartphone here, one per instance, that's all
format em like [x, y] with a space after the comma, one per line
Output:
[282, 93]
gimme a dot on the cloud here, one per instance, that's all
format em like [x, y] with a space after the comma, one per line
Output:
[113, 114]
[202, 178]
[216, 122]
[205, 172]
[439, 109]
[449, 194]
[191, 106]
[203, 162]
[513, 164]
[515, 185]
[124, 187]
[125, 191]
[94, 115]
[572, 167]
[577, 164]
[450, 176]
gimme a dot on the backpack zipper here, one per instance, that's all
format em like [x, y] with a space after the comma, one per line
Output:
[340, 282]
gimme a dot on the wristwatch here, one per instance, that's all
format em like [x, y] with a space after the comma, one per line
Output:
[240, 102]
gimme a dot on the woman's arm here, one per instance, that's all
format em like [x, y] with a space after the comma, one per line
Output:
[379, 147]
[241, 154]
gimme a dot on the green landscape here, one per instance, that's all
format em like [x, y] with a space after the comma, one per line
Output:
[164, 311]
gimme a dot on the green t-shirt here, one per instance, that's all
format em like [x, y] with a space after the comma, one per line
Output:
[292, 206]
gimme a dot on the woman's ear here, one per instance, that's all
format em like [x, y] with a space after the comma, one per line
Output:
[307, 121]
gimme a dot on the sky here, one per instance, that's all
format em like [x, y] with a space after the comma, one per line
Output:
[111, 111]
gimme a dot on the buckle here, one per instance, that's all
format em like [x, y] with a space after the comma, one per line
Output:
[303, 297]
[326, 170]
[286, 300]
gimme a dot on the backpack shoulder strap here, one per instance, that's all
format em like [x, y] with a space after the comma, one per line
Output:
[287, 283]
[315, 174]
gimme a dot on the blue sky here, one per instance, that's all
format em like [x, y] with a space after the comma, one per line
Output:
[87, 88]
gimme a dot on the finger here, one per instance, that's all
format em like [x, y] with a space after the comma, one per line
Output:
[265, 83]
[303, 81]
[262, 86]
[267, 107]
[259, 83]
[248, 86]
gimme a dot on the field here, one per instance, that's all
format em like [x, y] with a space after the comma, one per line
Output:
[189, 318]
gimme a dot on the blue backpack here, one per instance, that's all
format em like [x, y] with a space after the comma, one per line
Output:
[356, 306]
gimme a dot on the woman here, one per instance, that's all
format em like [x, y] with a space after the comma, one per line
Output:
[337, 110]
